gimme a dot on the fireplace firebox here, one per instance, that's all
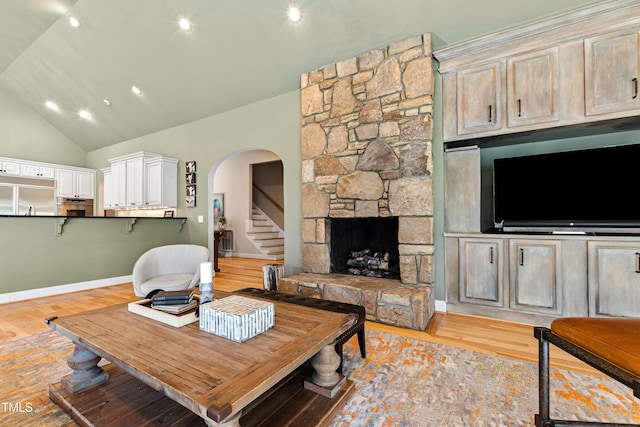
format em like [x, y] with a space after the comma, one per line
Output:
[365, 246]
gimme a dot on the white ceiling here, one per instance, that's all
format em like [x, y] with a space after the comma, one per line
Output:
[238, 52]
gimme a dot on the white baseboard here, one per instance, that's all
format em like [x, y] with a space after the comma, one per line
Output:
[62, 289]
[441, 306]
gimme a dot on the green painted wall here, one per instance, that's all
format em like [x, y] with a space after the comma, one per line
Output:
[26, 135]
[88, 249]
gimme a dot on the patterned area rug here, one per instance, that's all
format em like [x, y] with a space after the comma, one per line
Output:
[403, 382]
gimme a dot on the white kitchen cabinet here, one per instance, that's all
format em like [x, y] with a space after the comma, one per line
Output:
[481, 276]
[8, 167]
[37, 171]
[532, 88]
[142, 180]
[135, 182]
[535, 273]
[614, 279]
[107, 188]
[611, 73]
[161, 177]
[75, 183]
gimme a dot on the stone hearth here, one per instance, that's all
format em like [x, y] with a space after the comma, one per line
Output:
[366, 152]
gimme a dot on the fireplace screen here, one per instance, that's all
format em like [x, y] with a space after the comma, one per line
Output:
[365, 246]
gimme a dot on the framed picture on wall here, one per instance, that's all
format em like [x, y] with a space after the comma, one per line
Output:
[191, 167]
[191, 178]
[218, 207]
[191, 190]
[191, 201]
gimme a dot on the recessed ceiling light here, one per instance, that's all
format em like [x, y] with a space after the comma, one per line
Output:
[107, 102]
[73, 21]
[51, 105]
[185, 24]
[136, 90]
[84, 114]
[294, 14]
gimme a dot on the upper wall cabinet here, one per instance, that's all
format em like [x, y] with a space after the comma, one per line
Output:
[75, 183]
[141, 180]
[532, 88]
[611, 73]
[479, 99]
[577, 68]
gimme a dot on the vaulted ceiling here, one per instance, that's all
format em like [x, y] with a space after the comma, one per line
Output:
[238, 52]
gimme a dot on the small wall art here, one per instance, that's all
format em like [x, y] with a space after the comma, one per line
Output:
[190, 180]
[218, 207]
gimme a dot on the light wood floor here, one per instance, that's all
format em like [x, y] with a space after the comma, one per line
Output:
[507, 339]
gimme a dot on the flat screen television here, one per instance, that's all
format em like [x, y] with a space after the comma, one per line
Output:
[581, 190]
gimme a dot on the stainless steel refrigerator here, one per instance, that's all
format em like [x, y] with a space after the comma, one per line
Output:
[25, 196]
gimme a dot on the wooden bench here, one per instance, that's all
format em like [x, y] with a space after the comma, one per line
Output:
[339, 307]
[610, 345]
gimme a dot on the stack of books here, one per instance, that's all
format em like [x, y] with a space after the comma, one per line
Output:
[174, 302]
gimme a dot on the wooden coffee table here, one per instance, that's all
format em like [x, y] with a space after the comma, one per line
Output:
[185, 376]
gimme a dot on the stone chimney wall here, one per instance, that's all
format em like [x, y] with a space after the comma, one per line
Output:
[366, 151]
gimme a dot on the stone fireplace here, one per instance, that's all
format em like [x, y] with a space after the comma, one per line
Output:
[366, 153]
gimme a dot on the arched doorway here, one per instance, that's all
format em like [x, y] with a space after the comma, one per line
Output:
[246, 187]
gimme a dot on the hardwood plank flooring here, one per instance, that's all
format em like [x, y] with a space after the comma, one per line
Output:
[496, 337]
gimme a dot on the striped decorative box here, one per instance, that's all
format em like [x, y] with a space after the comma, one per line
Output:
[236, 318]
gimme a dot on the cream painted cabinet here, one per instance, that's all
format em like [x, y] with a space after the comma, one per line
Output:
[481, 276]
[614, 279]
[611, 73]
[75, 183]
[535, 276]
[119, 184]
[479, 99]
[532, 88]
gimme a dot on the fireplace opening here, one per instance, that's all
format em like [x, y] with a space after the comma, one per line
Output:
[365, 246]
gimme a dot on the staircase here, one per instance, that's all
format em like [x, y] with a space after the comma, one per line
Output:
[265, 235]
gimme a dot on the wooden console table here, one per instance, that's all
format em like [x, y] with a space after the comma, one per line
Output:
[217, 235]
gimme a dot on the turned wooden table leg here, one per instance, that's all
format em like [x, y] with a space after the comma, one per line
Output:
[326, 380]
[86, 371]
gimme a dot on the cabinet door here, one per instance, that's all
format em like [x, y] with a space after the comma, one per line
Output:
[535, 276]
[154, 183]
[9, 168]
[65, 183]
[85, 184]
[614, 279]
[532, 86]
[107, 189]
[135, 182]
[119, 182]
[481, 272]
[611, 73]
[37, 171]
[479, 92]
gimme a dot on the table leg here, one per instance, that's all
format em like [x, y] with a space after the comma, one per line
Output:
[325, 379]
[233, 421]
[86, 371]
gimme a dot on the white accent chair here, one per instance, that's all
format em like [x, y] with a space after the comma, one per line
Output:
[170, 268]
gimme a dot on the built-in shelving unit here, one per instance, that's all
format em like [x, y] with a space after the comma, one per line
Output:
[572, 75]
